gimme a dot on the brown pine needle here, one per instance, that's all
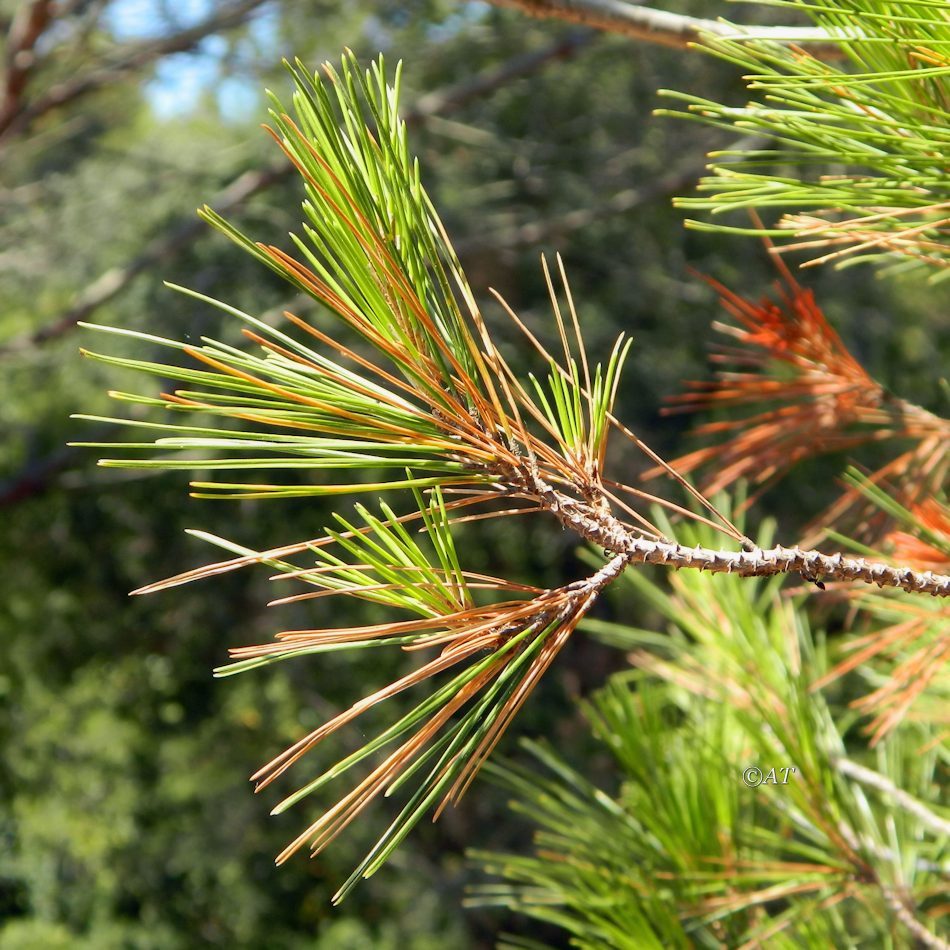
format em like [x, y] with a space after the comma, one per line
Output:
[281, 763]
[663, 503]
[329, 825]
[809, 396]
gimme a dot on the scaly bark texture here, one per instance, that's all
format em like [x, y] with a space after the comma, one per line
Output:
[595, 524]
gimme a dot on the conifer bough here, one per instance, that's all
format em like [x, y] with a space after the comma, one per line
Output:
[438, 414]
[861, 146]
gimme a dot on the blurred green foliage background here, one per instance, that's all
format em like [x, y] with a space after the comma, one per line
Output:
[125, 816]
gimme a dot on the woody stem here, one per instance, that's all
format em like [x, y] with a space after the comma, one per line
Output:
[604, 530]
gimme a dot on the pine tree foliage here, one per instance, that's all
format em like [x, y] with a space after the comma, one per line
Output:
[702, 844]
[861, 146]
[791, 390]
[395, 385]
[848, 847]
[437, 409]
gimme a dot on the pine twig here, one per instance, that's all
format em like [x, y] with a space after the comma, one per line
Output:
[899, 904]
[663, 28]
[604, 530]
[896, 898]
[897, 795]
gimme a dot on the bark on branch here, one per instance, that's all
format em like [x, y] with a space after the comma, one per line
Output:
[29, 23]
[17, 117]
[610, 534]
[668, 29]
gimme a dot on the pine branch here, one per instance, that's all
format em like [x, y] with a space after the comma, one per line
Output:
[674, 30]
[811, 565]
[423, 402]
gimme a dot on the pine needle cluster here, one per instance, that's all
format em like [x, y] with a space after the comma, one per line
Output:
[745, 814]
[791, 390]
[421, 395]
[396, 385]
[853, 153]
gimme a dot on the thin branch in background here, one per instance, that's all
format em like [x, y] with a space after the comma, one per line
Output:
[20, 58]
[232, 198]
[441, 102]
[897, 899]
[668, 29]
[533, 233]
[117, 64]
[162, 248]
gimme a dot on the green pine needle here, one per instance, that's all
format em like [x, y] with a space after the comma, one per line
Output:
[857, 152]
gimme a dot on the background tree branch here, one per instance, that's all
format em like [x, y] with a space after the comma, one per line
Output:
[28, 24]
[17, 114]
[664, 28]
[230, 199]
[161, 248]
[628, 199]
